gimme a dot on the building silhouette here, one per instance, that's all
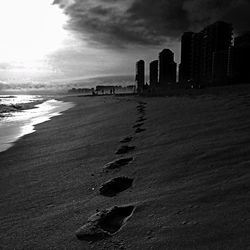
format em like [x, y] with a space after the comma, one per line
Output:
[167, 67]
[243, 41]
[153, 73]
[220, 67]
[185, 66]
[239, 59]
[217, 37]
[196, 59]
[140, 75]
[202, 52]
[208, 58]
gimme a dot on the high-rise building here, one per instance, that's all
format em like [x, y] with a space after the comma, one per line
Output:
[196, 59]
[153, 73]
[140, 75]
[202, 53]
[243, 41]
[167, 67]
[239, 59]
[186, 57]
[220, 67]
[216, 37]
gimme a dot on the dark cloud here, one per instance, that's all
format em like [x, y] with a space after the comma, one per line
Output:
[100, 11]
[162, 18]
[200, 12]
[59, 2]
[120, 23]
[239, 15]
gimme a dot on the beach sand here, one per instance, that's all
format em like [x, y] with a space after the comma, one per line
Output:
[190, 172]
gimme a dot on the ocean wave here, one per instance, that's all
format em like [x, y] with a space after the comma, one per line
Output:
[5, 110]
[10, 104]
[8, 96]
[23, 123]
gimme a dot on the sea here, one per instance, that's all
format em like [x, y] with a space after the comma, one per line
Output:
[20, 113]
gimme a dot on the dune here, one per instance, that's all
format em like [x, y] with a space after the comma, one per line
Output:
[189, 166]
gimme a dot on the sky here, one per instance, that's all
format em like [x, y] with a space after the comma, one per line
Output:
[61, 40]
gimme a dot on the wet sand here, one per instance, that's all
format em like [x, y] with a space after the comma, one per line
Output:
[187, 158]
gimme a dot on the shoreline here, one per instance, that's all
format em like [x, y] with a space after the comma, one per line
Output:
[189, 169]
[23, 121]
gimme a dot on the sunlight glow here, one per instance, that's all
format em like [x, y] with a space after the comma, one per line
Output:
[30, 30]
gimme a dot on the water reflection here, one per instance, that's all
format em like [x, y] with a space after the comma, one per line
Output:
[19, 99]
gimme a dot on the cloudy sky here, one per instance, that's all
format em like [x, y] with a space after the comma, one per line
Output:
[46, 40]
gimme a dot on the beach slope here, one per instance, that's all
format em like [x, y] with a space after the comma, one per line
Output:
[176, 167]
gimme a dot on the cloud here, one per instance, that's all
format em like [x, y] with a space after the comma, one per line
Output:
[200, 12]
[124, 23]
[4, 66]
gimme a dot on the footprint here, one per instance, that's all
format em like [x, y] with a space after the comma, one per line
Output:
[140, 109]
[105, 223]
[138, 125]
[124, 150]
[139, 130]
[118, 163]
[141, 119]
[189, 223]
[115, 186]
[127, 139]
[140, 106]
[142, 113]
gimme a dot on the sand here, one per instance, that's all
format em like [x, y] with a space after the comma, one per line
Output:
[189, 165]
